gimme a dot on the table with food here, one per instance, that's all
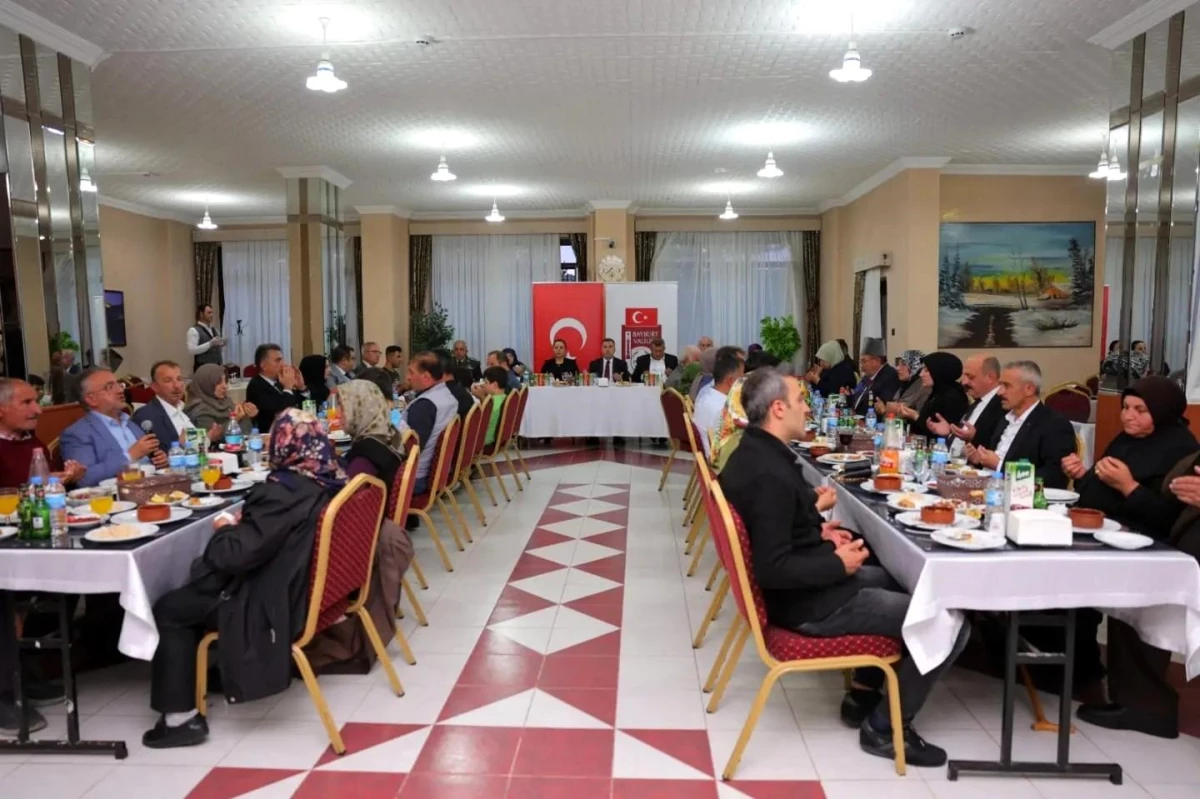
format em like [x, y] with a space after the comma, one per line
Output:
[591, 407]
[962, 540]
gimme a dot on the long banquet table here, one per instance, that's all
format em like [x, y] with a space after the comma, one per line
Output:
[1156, 590]
[603, 412]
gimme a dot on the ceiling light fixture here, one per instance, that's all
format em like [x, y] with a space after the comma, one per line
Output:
[1114, 169]
[495, 215]
[86, 184]
[1101, 168]
[443, 173]
[770, 170]
[728, 213]
[206, 223]
[852, 70]
[325, 80]
[54, 130]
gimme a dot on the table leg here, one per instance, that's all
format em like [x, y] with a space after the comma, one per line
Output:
[1061, 767]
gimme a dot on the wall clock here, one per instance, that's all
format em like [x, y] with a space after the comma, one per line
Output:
[611, 269]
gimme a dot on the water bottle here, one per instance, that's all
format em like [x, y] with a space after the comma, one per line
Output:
[871, 418]
[254, 448]
[56, 499]
[233, 435]
[191, 460]
[38, 467]
[877, 442]
[177, 459]
[993, 498]
[940, 457]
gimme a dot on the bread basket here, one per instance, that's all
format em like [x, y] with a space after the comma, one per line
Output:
[140, 491]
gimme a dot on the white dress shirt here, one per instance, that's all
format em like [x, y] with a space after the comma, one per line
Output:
[1010, 433]
[710, 403]
[177, 416]
[957, 446]
[658, 367]
[193, 339]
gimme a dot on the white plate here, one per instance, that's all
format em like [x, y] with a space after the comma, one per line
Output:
[973, 540]
[1060, 495]
[838, 458]
[82, 496]
[121, 506]
[130, 517]
[912, 518]
[109, 483]
[238, 485]
[907, 488]
[1107, 526]
[7, 532]
[201, 503]
[92, 521]
[1125, 540]
[99, 535]
[920, 500]
[254, 475]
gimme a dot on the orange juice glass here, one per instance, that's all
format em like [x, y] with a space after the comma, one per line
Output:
[210, 475]
[101, 505]
[10, 498]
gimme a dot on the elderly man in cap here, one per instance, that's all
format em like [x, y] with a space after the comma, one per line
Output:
[879, 379]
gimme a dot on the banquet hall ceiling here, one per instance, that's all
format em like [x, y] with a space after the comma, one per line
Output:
[548, 104]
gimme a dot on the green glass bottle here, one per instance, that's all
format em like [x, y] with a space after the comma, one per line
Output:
[25, 513]
[1039, 496]
[40, 516]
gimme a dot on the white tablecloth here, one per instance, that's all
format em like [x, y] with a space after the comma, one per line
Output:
[577, 411]
[139, 575]
[1157, 592]
[1086, 432]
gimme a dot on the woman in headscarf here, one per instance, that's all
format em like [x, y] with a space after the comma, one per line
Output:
[947, 397]
[514, 363]
[250, 585]
[375, 450]
[913, 391]
[833, 370]
[315, 369]
[208, 403]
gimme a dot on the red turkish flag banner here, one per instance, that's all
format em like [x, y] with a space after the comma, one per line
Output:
[641, 317]
[573, 312]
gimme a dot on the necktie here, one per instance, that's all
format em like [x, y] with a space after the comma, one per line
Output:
[607, 369]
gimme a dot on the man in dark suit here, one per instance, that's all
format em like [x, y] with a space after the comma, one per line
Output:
[981, 379]
[461, 360]
[275, 387]
[165, 412]
[1029, 431]
[608, 364]
[879, 378]
[657, 361]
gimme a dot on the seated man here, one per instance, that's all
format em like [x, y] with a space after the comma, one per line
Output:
[608, 365]
[657, 361]
[394, 363]
[1030, 431]
[491, 392]
[105, 440]
[879, 378]
[691, 355]
[710, 402]
[370, 357]
[461, 360]
[981, 379]
[512, 381]
[341, 364]
[429, 413]
[165, 413]
[811, 573]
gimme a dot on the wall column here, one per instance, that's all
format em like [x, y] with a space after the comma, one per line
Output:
[385, 276]
[611, 222]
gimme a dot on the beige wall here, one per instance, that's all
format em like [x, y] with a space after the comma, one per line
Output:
[711, 224]
[385, 278]
[151, 261]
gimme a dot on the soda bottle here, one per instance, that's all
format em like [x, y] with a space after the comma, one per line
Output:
[233, 435]
[25, 510]
[56, 502]
[893, 440]
[40, 515]
[1039, 496]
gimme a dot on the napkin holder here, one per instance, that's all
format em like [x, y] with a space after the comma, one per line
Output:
[602, 382]
[1038, 528]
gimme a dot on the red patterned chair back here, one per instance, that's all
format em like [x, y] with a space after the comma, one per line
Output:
[508, 421]
[675, 410]
[142, 394]
[1071, 402]
[443, 461]
[487, 410]
[400, 497]
[741, 578]
[521, 404]
[250, 371]
[343, 553]
[469, 440]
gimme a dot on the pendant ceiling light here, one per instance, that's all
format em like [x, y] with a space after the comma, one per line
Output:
[443, 173]
[325, 80]
[1101, 168]
[86, 184]
[852, 70]
[1114, 169]
[206, 223]
[770, 170]
[495, 215]
[728, 213]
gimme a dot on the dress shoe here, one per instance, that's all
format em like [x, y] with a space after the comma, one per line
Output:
[43, 693]
[917, 751]
[1120, 717]
[192, 732]
[10, 721]
[857, 704]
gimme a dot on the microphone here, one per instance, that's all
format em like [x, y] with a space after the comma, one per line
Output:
[148, 427]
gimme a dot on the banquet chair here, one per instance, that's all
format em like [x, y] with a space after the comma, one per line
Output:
[507, 429]
[339, 586]
[52, 448]
[1071, 401]
[408, 441]
[232, 371]
[700, 531]
[674, 409]
[514, 439]
[784, 651]
[142, 394]
[704, 483]
[439, 476]
[250, 371]
[473, 431]
[1093, 386]
[489, 409]
[399, 501]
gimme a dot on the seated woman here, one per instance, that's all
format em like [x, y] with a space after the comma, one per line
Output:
[1143, 699]
[913, 392]
[374, 450]
[315, 371]
[832, 372]
[514, 363]
[947, 397]
[250, 585]
[560, 365]
[209, 406]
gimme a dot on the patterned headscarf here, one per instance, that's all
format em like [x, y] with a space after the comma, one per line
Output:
[915, 360]
[366, 412]
[300, 446]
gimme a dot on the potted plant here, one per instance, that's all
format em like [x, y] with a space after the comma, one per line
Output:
[431, 330]
[780, 337]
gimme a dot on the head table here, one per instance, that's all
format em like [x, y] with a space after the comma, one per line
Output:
[601, 411]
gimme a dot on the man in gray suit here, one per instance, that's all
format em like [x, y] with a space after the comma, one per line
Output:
[105, 439]
[341, 362]
[371, 357]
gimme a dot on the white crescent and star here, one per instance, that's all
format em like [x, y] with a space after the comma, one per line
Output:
[635, 316]
[569, 323]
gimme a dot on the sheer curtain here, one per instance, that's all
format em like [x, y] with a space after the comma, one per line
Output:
[872, 316]
[1180, 266]
[485, 283]
[729, 281]
[256, 294]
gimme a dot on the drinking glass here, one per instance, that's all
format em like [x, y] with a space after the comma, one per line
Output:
[210, 475]
[101, 505]
[10, 498]
[131, 473]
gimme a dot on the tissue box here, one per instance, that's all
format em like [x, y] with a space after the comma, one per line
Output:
[1039, 528]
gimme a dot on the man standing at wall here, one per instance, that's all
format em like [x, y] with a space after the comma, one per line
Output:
[204, 341]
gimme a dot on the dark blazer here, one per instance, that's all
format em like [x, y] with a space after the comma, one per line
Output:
[991, 418]
[1044, 440]
[884, 386]
[619, 367]
[835, 378]
[568, 366]
[156, 414]
[261, 564]
[89, 442]
[471, 365]
[802, 580]
[270, 400]
[642, 365]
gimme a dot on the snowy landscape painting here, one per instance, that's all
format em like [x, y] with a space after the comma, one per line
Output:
[1016, 284]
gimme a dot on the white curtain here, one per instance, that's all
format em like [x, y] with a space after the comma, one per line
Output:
[728, 282]
[1180, 266]
[256, 294]
[485, 283]
[872, 316]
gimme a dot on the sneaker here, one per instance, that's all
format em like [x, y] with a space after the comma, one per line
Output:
[10, 722]
[191, 733]
[857, 704]
[917, 751]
